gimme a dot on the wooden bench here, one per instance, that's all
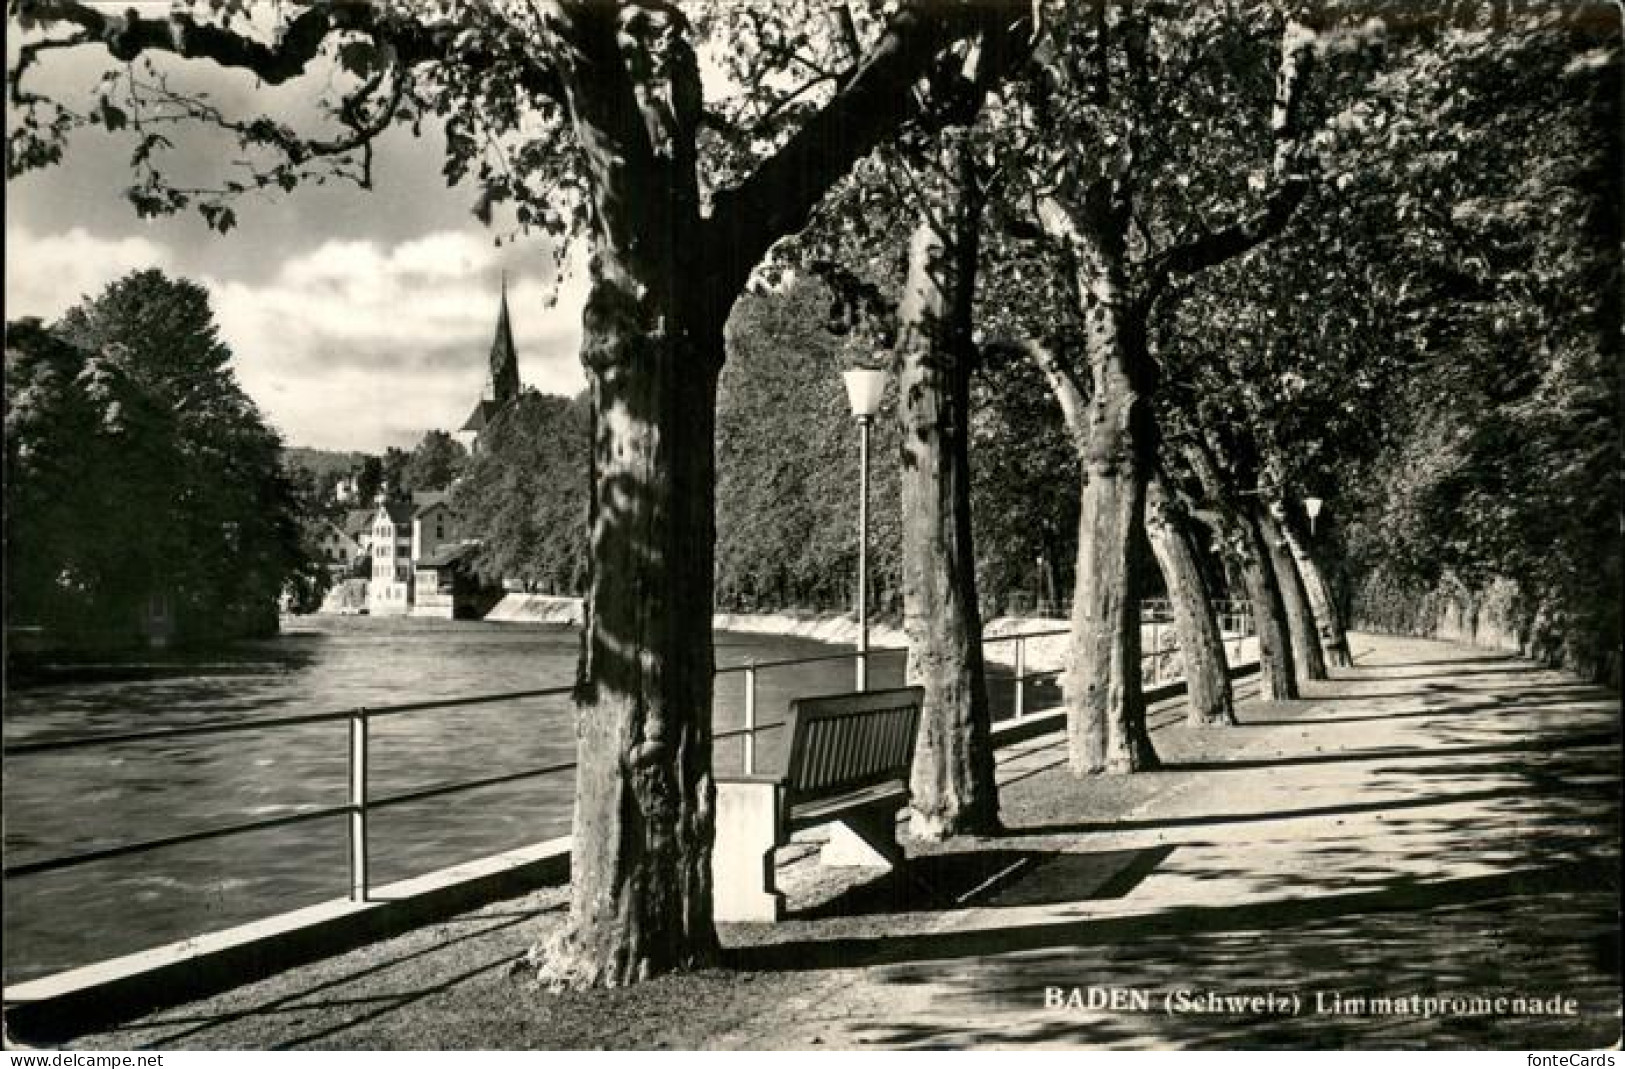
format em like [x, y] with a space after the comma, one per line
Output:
[847, 765]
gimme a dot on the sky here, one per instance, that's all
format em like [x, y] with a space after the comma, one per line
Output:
[357, 319]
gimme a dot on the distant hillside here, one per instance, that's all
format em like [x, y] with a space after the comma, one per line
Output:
[321, 461]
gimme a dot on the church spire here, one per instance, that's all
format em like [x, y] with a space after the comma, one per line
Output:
[502, 384]
[504, 357]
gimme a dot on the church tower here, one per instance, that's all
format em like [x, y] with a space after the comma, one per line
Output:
[502, 381]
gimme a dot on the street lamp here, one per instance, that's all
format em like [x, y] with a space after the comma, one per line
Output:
[1312, 505]
[864, 387]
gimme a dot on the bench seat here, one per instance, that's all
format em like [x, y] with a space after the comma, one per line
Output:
[822, 811]
[847, 766]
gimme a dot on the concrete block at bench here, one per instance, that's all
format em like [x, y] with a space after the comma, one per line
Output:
[742, 862]
[867, 839]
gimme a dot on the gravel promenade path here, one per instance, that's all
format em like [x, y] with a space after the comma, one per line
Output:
[1437, 823]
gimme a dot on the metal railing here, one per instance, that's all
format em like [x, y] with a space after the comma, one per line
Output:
[750, 728]
[360, 804]
[357, 808]
[1235, 619]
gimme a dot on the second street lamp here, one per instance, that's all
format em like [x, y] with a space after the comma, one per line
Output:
[864, 388]
[1312, 505]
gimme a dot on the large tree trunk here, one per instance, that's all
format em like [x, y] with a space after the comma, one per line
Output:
[641, 865]
[953, 785]
[1277, 672]
[663, 280]
[1246, 548]
[1300, 621]
[1334, 639]
[1106, 722]
[1207, 671]
[641, 861]
[1106, 727]
[1110, 421]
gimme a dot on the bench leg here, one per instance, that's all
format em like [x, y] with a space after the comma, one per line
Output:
[866, 839]
[742, 860]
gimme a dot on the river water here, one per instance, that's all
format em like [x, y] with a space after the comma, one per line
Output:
[80, 800]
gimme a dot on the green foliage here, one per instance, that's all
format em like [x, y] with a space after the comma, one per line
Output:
[323, 464]
[137, 467]
[1432, 345]
[434, 463]
[1501, 465]
[369, 480]
[1024, 483]
[479, 75]
[395, 460]
[787, 455]
[315, 475]
[525, 494]
[787, 464]
[788, 461]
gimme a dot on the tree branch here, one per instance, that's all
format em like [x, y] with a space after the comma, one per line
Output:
[1218, 246]
[1287, 185]
[1063, 382]
[296, 45]
[779, 197]
[855, 301]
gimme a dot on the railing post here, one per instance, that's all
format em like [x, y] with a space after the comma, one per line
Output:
[1021, 677]
[358, 805]
[750, 718]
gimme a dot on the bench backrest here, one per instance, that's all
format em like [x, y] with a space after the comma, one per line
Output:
[845, 742]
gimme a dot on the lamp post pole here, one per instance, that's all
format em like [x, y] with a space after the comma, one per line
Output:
[864, 387]
[863, 551]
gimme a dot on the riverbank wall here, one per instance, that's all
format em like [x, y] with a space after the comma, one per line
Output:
[837, 629]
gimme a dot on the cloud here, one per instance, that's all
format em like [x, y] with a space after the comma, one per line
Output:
[353, 344]
[357, 344]
[48, 274]
[352, 409]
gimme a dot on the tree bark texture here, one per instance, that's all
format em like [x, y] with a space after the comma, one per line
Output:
[644, 821]
[1113, 431]
[1334, 639]
[953, 786]
[1300, 621]
[1201, 645]
[1115, 292]
[1246, 549]
[1278, 675]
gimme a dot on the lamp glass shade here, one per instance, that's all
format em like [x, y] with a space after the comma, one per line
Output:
[1312, 505]
[864, 388]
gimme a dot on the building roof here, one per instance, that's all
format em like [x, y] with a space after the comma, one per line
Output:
[358, 522]
[424, 500]
[400, 512]
[447, 555]
[480, 418]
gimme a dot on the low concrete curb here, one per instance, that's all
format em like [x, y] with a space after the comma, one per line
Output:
[79, 1000]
